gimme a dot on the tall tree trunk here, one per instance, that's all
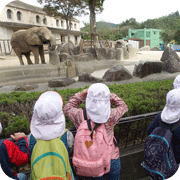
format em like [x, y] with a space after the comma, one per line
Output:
[93, 23]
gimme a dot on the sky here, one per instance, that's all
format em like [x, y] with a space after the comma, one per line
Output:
[117, 11]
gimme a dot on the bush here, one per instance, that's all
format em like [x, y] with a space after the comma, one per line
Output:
[16, 107]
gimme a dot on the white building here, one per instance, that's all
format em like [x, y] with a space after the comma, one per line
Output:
[19, 15]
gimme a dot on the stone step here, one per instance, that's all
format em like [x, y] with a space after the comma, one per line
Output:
[30, 74]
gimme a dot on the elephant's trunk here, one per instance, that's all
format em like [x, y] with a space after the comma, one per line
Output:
[52, 43]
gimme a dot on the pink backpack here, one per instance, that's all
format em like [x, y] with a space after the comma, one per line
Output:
[92, 154]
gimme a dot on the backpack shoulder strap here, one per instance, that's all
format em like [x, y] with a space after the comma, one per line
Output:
[88, 120]
[169, 126]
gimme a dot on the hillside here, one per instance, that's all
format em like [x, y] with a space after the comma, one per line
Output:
[170, 24]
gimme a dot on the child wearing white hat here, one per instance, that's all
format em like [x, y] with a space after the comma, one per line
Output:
[170, 115]
[176, 83]
[98, 107]
[49, 139]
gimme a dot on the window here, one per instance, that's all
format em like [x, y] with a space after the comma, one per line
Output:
[9, 14]
[62, 24]
[19, 16]
[44, 21]
[75, 26]
[37, 19]
[57, 22]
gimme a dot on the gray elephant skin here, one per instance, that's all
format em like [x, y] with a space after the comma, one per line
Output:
[31, 40]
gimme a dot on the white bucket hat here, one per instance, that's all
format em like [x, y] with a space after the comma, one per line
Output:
[48, 121]
[176, 82]
[171, 111]
[98, 103]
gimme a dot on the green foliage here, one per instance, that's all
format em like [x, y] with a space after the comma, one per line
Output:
[12, 125]
[169, 24]
[140, 98]
[177, 36]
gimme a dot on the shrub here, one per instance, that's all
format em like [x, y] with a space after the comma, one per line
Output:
[16, 107]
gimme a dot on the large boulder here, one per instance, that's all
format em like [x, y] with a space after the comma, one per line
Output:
[61, 82]
[125, 52]
[117, 73]
[67, 48]
[111, 53]
[64, 57]
[145, 48]
[25, 87]
[54, 57]
[147, 67]
[71, 69]
[119, 54]
[171, 61]
[83, 57]
[90, 50]
[76, 49]
[131, 50]
[120, 43]
[86, 77]
[101, 53]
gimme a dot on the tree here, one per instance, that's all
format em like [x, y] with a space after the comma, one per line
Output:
[167, 36]
[177, 36]
[66, 9]
[94, 7]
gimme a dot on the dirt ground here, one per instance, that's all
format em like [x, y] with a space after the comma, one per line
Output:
[141, 55]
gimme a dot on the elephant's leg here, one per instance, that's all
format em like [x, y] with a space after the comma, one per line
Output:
[19, 55]
[41, 53]
[35, 51]
[28, 58]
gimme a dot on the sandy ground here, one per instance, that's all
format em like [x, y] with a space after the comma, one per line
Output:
[141, 55]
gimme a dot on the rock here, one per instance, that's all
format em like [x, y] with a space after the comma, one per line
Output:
[147, 67]
[171, 61]
[25, 87]
[86, 77]
[61, 82]
[54, 57]
[64, 57]
[145, 48]
[125, 52]
[100, 53]
[90, 50]
[82, 57]
[67, 48]
[111, 53]
[120, 43]
[119, 54]
[131, 50]
[58, 49]
[117, 73]
[76, 49]
[71, 69]
[155, 49]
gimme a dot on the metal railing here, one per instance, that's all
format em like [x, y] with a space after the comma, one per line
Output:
[131, 131]
[5, 46]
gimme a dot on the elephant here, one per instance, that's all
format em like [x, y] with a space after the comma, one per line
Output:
[31, 40]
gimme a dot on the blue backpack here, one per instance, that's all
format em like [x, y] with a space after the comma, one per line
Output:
[159, 161]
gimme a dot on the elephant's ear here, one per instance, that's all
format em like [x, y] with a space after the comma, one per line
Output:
[33, 39]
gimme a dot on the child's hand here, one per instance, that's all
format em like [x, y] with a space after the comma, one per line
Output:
[17, 136]
[84, 92]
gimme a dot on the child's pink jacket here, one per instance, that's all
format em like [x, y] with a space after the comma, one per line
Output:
[75, 114]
